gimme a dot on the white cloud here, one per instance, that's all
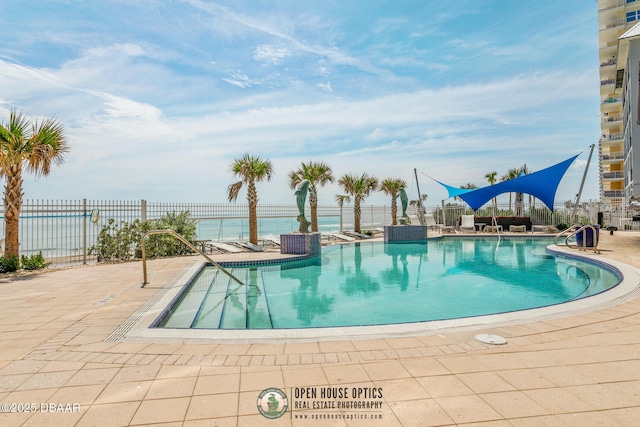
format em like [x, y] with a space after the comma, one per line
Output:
[270, 54]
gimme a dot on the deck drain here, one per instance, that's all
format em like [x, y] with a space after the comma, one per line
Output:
[491, 339]
[105, 300]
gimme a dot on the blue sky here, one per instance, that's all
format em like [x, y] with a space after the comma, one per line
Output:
[159, 96]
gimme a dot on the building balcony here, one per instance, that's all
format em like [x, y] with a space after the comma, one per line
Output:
[614, 23]
[609, 44]
[607, 82]
[608, 176]
[613, 193]
[608, 63]
[610, 5]
[612, 137]
[610, 118]
[611, 100]
[614, 156]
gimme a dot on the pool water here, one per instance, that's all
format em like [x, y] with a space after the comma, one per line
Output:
[385, 283]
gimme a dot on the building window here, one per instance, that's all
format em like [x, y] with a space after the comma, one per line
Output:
[632, 16]
[630, 1]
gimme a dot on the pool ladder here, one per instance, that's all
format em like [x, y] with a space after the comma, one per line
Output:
[572, 231]
[189, 245]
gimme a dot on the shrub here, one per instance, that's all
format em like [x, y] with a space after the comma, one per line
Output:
[160, 245]
[9, 265]
[34, 262]
[119, 242]
[116, 241]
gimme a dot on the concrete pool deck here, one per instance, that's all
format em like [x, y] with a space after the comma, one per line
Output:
[576, 370]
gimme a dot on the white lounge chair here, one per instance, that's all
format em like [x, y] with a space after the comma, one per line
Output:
[467, 224]
[357, 235]
[431, 222]
[225, 247]
[250, 246]
[343, 237]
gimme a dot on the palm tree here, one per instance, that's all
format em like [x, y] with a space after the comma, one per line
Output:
[317, 173]
[525, 170]
[391, 187]
[250, 169]
[342, 199]
[359, 187]
[511, 174]
[32, 147]
[492, 178]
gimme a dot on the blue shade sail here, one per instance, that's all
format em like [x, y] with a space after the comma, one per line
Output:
[542, 184]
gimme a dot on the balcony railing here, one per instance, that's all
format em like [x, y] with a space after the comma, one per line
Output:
[609, 44]
[612, 5]
[613, 193]
[612, 61]
[612, 137]
[612, 24]
[607, 82]
[610, 118]
[613, 175]
[611, 100]
[617, 155]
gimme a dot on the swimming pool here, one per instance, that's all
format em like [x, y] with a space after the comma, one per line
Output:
[388, 283]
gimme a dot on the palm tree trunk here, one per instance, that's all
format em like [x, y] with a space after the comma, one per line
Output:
[356, 215]
[394, 211]
[12, 205]
[313, 203]
[252, 198]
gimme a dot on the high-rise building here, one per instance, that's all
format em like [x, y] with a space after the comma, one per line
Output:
[615, 18]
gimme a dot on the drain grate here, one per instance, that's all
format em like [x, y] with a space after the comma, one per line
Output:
[123, 329]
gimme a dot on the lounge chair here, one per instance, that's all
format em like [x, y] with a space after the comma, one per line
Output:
[271, 241]
[357, 235]
[250, 246]
[467, 224]
[225, 247]
[517, 229]
[431, 223]
[343, 237]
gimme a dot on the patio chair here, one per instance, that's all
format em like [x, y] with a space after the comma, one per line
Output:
[225, 247]
[467, 224]
[357, 235]
[340, 236]
[431, 222]
[250, 246]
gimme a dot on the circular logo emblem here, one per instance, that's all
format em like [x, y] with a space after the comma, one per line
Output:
[272, 403]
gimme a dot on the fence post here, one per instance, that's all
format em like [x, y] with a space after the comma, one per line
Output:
[143, 210]
[84, 231]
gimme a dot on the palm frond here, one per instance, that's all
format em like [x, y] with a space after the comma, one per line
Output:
[233, 190]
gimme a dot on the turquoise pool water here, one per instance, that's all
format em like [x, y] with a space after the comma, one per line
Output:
[385, 283]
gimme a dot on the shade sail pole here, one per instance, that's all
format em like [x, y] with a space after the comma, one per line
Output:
[584, 177]
[420, 212]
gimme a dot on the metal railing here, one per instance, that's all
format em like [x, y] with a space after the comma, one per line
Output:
[575, 230]
[188, 244]
[66, 230]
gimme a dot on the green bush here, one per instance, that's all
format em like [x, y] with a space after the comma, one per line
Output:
[9, 265]
[161, 245]
[119, 242]
[34, 262]
[116, 241]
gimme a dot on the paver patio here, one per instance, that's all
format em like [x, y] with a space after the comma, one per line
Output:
[578, 370]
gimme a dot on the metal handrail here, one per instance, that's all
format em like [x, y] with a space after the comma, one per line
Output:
[573, 232]
[186, 242]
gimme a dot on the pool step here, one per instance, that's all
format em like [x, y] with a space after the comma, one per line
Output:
[210, 311]
[189, 307]
[246, 306]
